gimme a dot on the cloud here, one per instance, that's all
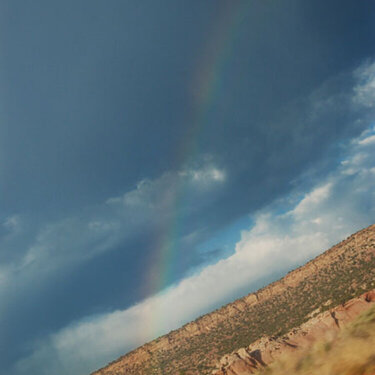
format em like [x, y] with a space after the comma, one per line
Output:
[311, 200]
[156, 196]
[364, 91]
[205, 177]
[45, 253]
[368, 140]
[100, 228]
[285, 234]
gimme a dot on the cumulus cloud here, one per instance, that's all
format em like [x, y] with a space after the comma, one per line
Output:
[284, 235]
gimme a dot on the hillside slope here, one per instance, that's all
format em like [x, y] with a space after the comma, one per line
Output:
[321, 326]
[352, 352]
[341, 273]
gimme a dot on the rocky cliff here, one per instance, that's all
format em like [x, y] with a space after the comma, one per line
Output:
[250, 359]
[343, 272]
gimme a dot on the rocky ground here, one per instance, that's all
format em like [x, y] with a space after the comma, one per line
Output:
[250, 359]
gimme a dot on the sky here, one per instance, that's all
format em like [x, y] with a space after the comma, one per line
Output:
[160, 159]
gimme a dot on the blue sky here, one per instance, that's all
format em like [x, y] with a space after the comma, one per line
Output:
[158, 159]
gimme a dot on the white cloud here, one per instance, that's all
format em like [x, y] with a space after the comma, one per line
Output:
[159, 194]
[338, 206]
[312, 199]
[370, 140]
[364, 92]
[205, 176]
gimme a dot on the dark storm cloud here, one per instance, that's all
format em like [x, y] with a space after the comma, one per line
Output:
[96, 100]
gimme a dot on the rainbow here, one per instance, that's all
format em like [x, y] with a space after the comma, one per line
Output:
[206, 84]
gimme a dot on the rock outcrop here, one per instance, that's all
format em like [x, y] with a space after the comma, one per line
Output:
[262, 352]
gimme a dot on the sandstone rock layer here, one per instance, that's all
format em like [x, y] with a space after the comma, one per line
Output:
[262, 352]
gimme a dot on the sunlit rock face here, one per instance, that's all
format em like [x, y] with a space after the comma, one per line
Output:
[265, 350]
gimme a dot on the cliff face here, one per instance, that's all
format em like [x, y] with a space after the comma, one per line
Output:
[343, 272]
[248, 360]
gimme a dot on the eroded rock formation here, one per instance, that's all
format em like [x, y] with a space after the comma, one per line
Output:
[260, 353]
